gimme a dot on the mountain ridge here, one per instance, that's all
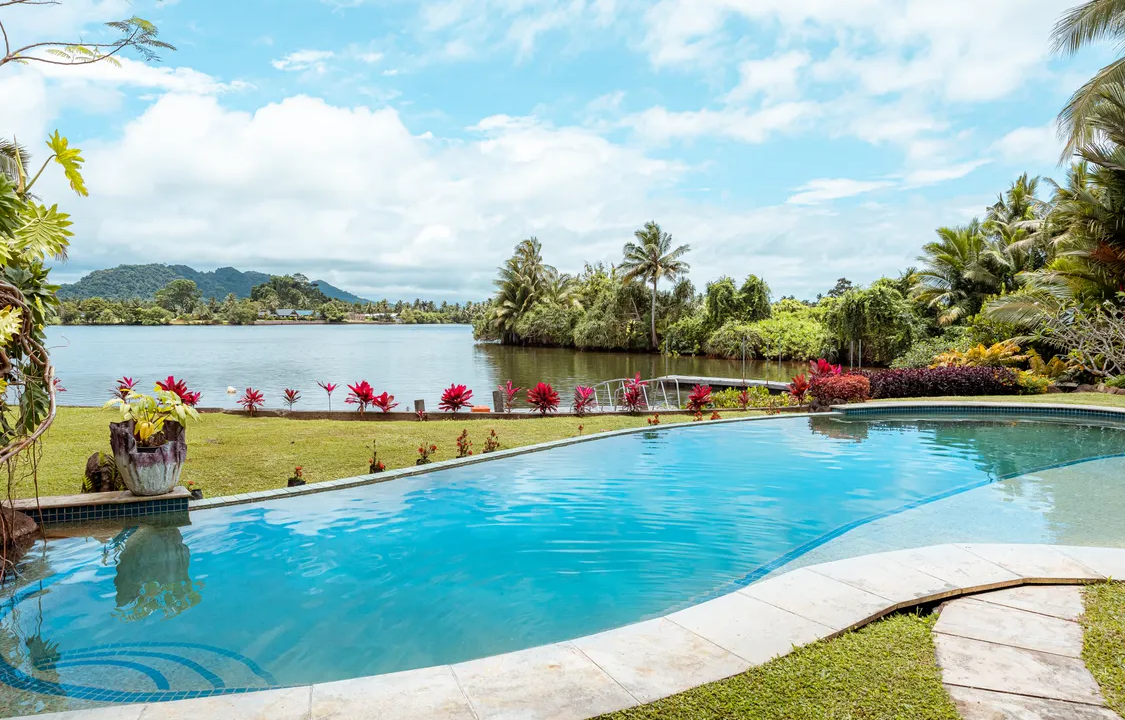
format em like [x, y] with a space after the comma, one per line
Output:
[126, 282]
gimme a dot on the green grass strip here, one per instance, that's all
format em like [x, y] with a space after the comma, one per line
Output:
[885, 671]
[1103, 644]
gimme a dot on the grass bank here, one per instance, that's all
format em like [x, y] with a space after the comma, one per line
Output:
[884, 671]
[229, 454]
[1103, 644]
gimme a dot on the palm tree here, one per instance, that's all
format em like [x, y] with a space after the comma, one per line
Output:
[653, 259]
[1085, 24]
[954, 277]
[522, 281]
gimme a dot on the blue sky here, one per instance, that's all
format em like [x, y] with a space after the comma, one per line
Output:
[401, 148]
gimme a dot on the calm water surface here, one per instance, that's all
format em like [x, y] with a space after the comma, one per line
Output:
[410, 362]
[471, 561]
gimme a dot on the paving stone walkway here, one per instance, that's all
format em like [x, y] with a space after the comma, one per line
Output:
[1016, 654]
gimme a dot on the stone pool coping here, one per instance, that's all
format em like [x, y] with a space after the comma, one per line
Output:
[873, 408]
[646, 661]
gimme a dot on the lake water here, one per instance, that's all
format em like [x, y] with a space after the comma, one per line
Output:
[409, 361]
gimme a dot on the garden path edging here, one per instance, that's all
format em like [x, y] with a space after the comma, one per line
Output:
[639, 663]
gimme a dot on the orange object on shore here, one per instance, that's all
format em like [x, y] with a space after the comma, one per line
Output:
[481, 408]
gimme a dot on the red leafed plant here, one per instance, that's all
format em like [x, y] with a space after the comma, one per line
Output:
[584, 399]
[699, 398]
[361, 394]
[384, 402]
[455, 397]
[655, 419]
[172, 385]
[543, 398]
[715, 415]
[124, 386]
[822, 368]
[251, 400]
[510, 391]
[633, 394]
[743, 399]
[492, 442]
[837, 389]
[424, 453]
[57, 384]
[292, 397]
[464, 444]
[328, 388]
[799, 389]
[375, 465]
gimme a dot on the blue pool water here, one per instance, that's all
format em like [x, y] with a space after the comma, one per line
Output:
[472, 561]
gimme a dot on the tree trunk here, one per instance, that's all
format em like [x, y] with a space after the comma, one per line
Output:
[654, 314]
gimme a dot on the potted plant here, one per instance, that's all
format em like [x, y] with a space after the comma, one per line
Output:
[149, 445]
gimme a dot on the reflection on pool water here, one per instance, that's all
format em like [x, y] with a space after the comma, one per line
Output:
[508, 554]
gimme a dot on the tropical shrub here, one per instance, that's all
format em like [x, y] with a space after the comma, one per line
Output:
[799, 388]
[687, 335]
[715, 415]
[840, 389]
[584, 399]
[1030, 383]
[654, 419]
[797, 337]
[124, 386]
[922, 353]
[291, 397]
[1002, 354]
[455, 397]
[464, 444]
[731, 399]
[743, 399]
[375, 465]
[879, 316]
[328, 388]
[543, 398]
[385, 402]
[942, 381]
[510, 392]
[251, 400]
[1052, 370]
[150, 413]
[361, 394]
[699, 398]
[547, 323]
[633, 394]
[823, 368]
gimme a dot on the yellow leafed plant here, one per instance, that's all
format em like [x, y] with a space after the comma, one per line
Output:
[11, 321]
[1002, 354]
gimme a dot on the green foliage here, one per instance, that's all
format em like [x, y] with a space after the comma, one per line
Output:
[652, 259]
[547, 323]
[795, 337]
[922, 353]
[879, 316]
[126, 282]
[334, 311]
[688, 334]
[1030, 383]
[750, 303]
[288, 291]
[1103, 640]
[1002, 354]
[71, 161]
[755, 297]
[179, 296]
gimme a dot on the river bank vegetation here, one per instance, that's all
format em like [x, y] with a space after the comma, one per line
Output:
[283, 298]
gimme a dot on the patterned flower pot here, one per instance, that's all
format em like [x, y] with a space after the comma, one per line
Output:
[148, 470]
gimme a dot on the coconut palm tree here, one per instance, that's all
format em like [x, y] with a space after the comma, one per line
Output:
[523, 280]
[652, 258]
[955, 278]
[1088, 23]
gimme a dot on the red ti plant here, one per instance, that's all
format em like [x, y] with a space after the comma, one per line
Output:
[361, 394]
[543, 398]
[743, 399]
[510, 391]
[655, 419]
[57, 385]
[384, 402]
[699, 398]
[822, 368]
[464, 444]
[584, 399]
[424, 453]
[455, 397]
[633, 396]
[292, 397]
[125, 386]
[251, 400]
[799, 389]
[179, 387]
[715, 415]
[328, 388]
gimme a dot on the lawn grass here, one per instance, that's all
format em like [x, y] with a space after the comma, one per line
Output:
[231, 454]
[885, 671]
[1094, 398]
[1103, 643]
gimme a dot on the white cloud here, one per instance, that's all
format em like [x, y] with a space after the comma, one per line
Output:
[818, 191]
[933, 176]
[658, 124]
[1030, 144]
[775, 76]
[369, 57]
[305, 60]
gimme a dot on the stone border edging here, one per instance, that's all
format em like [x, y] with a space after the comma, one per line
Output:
[893, 406]
[646, 661]
[361, 480]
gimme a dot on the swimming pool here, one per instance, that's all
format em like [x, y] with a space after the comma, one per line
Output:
[482, 559]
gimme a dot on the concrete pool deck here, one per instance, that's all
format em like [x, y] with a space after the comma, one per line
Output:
[639, 663]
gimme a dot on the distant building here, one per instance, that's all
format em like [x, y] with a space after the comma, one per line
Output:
[296, 314]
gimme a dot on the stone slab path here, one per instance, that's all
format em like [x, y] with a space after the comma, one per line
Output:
[1016, 654]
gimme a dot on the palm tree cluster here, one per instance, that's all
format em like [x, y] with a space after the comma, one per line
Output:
[523, 281]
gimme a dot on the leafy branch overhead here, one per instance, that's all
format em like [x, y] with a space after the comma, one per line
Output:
[134, 33]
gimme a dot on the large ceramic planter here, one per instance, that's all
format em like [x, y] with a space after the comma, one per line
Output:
[148, 470]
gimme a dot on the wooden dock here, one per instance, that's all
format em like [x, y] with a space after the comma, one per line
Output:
[687, 381]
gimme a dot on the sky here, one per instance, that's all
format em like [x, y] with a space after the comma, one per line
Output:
[401, 148]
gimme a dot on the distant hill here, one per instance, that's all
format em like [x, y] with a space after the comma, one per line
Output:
[142, 281]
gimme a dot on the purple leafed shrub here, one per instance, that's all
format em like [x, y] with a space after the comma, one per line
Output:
[942, 381]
